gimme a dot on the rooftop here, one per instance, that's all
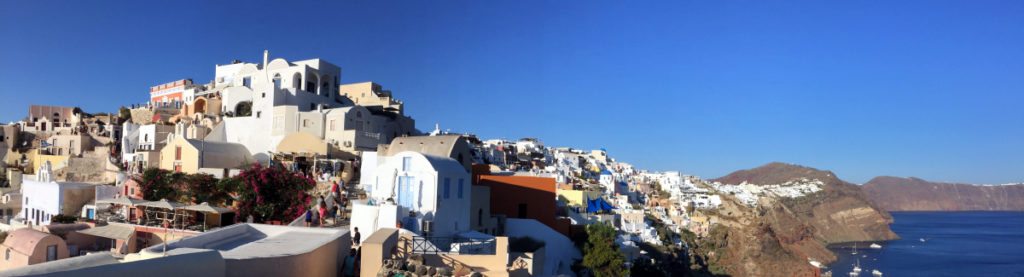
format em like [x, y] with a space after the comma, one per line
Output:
[249, 241]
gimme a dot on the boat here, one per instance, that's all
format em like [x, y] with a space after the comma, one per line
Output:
[875, 246]
[875, 272]
[922, 239]
[856, 269]
[854, 249]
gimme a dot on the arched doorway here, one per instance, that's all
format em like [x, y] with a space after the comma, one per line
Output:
[243, 108]
[199, 106]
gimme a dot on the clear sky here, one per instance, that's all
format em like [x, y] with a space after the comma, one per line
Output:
[932, 88]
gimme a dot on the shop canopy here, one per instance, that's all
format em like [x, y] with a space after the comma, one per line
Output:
[125, 201]
[162, 204]
[598, 204]
[301, 142]
[206, 208]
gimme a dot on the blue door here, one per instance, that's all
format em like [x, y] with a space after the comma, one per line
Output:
[90, 214]
[405, 192]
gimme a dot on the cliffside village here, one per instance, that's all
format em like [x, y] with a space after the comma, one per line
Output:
[73, 199]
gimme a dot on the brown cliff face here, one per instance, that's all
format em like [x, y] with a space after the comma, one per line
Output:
[913, 194]
[777, 237]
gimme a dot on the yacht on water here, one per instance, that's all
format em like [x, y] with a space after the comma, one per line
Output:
[854, 249]
[875, 246]
[875, 272]
[856, 269]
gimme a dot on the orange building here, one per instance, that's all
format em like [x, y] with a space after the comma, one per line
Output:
[524, 197]
[169, 92]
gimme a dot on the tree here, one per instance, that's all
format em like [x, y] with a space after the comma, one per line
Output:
[601, 256]
[124, 114]
[159, 184]
[60, 218]
[272, 193]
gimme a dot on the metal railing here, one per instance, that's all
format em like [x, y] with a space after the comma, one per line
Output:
[452, 245]
[369, 134]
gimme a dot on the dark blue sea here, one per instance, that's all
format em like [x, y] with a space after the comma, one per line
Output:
[955, 244]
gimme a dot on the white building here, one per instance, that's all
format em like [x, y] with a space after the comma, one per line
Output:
[264, 103]
[437, 190]
[44, 198]
[607, 181]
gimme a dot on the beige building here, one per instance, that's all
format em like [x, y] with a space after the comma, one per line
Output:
[26, 246]
[371, 94]
[198, 156]
[451, 146]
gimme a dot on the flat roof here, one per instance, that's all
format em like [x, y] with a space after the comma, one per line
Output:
[248, 241]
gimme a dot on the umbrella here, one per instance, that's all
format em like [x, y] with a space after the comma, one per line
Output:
[162, 204]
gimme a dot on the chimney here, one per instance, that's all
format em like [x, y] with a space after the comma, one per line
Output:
[266, 55]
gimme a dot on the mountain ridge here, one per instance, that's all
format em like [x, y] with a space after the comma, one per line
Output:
[916, 194]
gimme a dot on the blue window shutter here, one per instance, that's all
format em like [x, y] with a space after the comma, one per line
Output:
[447, 188]
[460, 188]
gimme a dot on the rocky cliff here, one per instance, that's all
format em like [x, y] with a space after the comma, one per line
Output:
[913, 194]
[780, 235]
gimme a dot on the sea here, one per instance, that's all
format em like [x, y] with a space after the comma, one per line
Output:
[942, 244]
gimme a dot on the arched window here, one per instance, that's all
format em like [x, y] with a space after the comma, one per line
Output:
[297, 82]
[311, 82]
[325, 89]
[277, 82]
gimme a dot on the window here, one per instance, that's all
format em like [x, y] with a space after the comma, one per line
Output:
[305, 123]
[459, 191]
[264, 95]
[177, 153]
[51, 253]
[247, 82]
[332, 126]
[406, 164]
[480, 218]
[7, 254]
[258, 114]
[310, 87]
[447, 188]
[312, 106]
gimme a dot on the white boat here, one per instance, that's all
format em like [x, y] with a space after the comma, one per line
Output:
[854, 249]
[875, 272]
[875, 246]
[922, 239]
[856, 268]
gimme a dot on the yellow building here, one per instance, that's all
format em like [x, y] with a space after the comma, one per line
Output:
[197, 156]
[576, 197]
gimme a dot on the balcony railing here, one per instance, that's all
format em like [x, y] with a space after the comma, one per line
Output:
[453, 245]
[369, 134]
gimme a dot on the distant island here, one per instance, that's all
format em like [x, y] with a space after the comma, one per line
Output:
[914, 194]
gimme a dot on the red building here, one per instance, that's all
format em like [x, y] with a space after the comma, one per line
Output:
[524, 197]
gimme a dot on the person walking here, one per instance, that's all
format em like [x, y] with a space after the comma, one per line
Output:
[323, 211]
[349, 267]
[309, 216]
[356, 237]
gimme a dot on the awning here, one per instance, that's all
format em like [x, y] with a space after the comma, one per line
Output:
[112, 231]
[162, 204]
[206, 208]
[121, 201]
[301, 142]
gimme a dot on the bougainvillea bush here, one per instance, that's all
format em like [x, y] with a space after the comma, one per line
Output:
[272, 194]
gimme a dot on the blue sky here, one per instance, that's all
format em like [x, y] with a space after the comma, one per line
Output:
[932, 89]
